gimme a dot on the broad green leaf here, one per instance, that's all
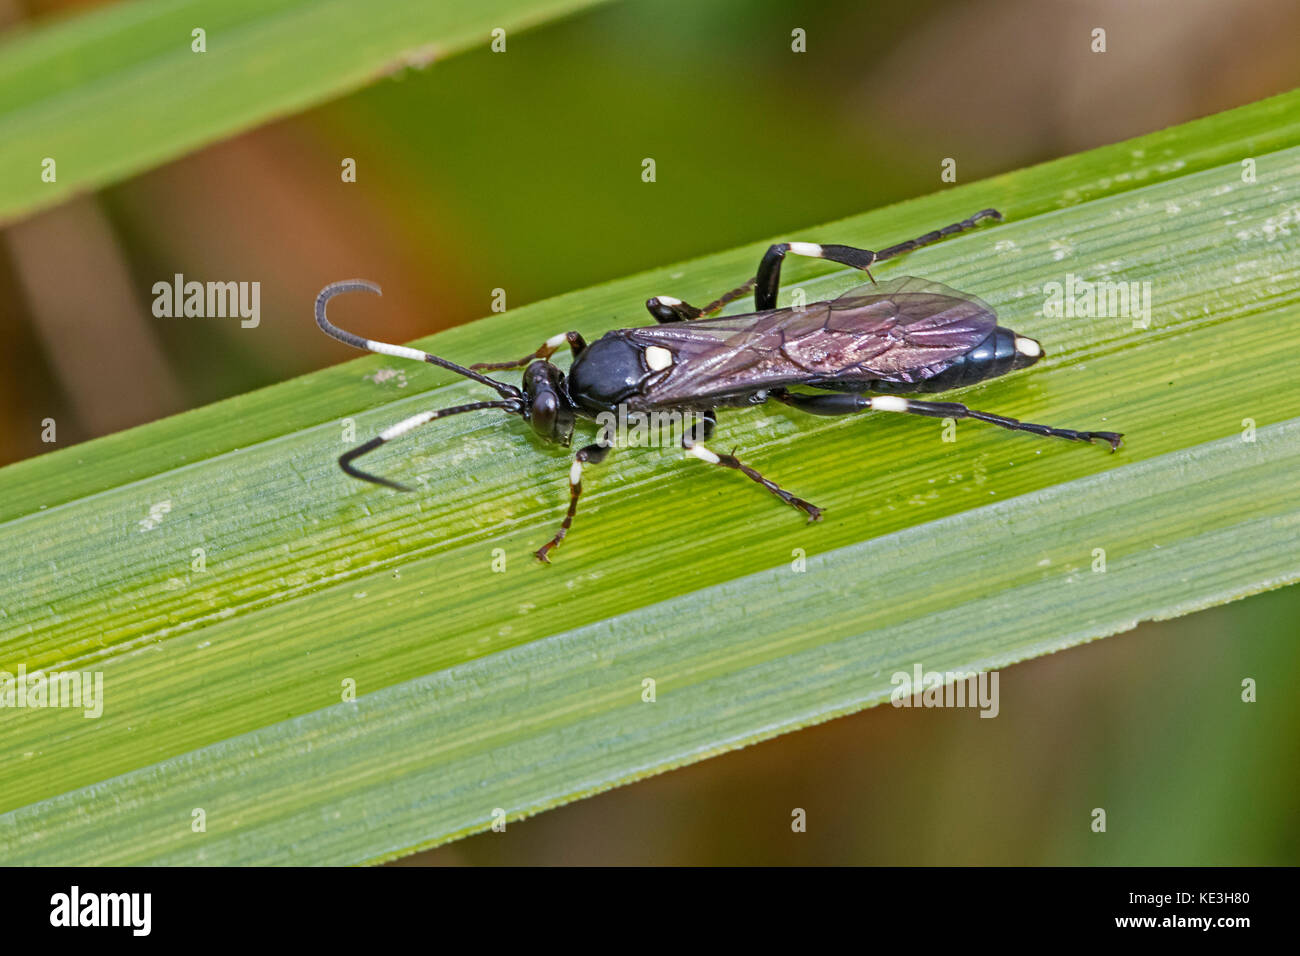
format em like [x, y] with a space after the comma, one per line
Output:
[522, 689]
[121, 89]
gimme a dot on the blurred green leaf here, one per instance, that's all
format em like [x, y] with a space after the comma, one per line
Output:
[523, 689]
[119, 89]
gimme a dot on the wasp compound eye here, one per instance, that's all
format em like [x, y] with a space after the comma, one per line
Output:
[549, 410]
[542, 412]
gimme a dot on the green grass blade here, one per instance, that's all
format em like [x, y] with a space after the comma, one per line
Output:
[119, 90]
[562, 716]
[522, 689]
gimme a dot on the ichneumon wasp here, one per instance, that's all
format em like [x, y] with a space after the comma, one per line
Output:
[902, 336]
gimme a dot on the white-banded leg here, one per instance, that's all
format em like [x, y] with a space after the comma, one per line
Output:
[667, 308]
[544, 352]
[769, 270]
[400, 429]
[768, 281]
[592, 454]
[766, 284]
[845, 403]
[696, 447]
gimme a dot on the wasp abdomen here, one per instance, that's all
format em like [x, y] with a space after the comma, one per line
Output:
[1001, 351]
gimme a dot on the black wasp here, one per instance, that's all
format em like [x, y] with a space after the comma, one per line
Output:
[904, 335]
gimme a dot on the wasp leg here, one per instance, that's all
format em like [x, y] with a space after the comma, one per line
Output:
[667, 308]
[697, 448]
[545, 351]
[893, 403]
[593, 454]
[846, 403]
[769, 270]
[768, 280]
[938, 234]
[827, 403]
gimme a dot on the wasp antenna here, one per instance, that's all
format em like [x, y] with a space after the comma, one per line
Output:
[345, 462]
[387, 348]
[407, 425]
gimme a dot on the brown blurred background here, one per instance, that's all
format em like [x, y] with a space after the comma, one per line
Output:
[522, 172]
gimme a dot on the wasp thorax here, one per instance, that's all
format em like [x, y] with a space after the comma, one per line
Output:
[607, 372]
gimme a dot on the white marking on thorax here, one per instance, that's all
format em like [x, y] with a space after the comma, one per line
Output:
[658, 357]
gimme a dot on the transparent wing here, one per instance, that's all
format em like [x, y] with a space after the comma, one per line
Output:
[904, 330]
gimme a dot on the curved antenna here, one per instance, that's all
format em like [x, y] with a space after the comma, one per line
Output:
[385, 348]
[400, 429]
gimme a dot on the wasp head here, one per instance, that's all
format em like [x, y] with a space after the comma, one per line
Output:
[547, 407]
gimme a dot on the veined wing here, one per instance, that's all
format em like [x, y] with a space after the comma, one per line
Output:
[903, 330]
